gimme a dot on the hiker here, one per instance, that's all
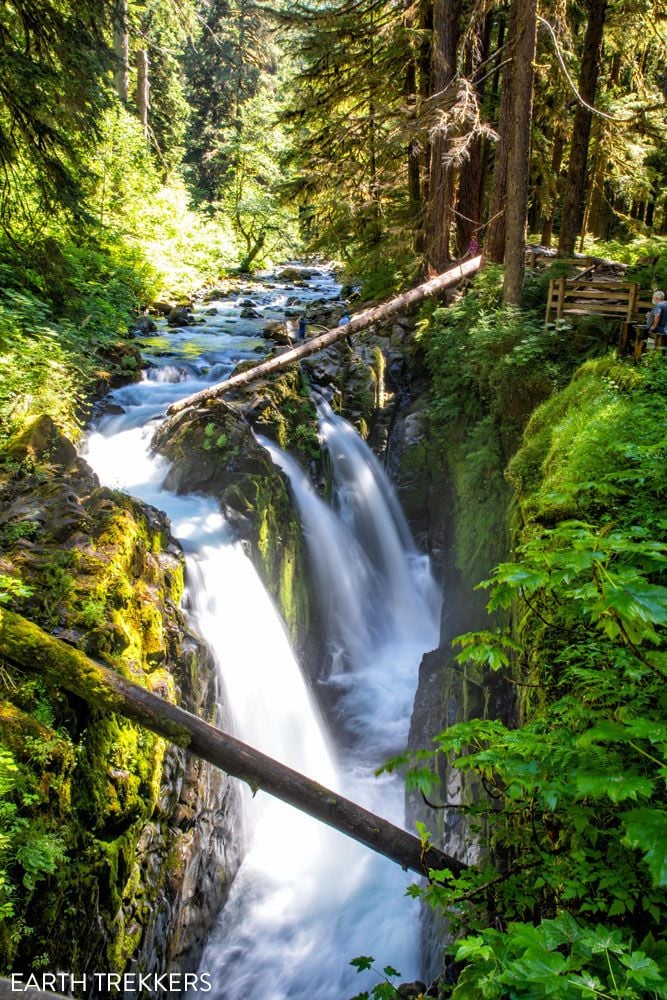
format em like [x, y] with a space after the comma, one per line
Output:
[345, 321]
[656, 319]
[301, 332]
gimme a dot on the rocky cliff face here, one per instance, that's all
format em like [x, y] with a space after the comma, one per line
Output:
[148, 832]
[214, 451]
[424, 469]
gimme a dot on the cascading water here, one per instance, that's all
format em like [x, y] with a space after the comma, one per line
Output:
[342, 585]
[306, 900]
[368, 573]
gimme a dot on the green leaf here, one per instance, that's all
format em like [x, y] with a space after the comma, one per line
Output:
[617, 787]
[423, 834]
[646, 829]
[537, 965]
[362, 963]
[473, 948]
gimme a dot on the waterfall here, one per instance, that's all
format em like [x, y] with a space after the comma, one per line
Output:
[367, 503]
[343, 586]
[306, 899]
[378, 599]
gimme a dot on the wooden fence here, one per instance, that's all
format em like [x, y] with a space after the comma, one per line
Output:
[614, 300]
[620, 300]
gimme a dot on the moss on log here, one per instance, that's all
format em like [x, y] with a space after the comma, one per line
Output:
[26, 645]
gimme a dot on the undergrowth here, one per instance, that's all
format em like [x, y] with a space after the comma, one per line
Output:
[573, 898]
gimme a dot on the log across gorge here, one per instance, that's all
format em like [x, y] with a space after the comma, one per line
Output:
[360, 321]
[27, 646]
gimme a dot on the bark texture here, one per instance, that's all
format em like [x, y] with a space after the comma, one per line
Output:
[518, 157]
[575, 184]
[143, 89]
[446, 28]
[121, 48]
[556, 163]
[494, 244]
[29, 647]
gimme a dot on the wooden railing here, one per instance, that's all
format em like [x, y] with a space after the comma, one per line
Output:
[620, 300]
[615, 300]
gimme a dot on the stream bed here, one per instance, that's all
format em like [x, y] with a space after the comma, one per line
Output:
[306, 899]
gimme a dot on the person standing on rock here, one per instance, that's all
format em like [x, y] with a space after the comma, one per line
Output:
[345, 321]
[301, 332]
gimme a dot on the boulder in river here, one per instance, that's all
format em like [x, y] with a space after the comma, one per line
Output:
[277, 332]
[249, 312]
[181, 316]
[144, 324]
[296, 274]
[221, 292]
[161, 308]
[289, 274]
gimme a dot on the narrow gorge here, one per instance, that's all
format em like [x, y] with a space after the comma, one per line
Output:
[328, 688]
[333, 556]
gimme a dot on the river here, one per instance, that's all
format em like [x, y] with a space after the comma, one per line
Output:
[306, 900]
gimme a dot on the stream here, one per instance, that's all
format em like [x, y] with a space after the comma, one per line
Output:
[306, 899]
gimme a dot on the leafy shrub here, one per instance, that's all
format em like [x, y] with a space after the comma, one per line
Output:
[490, 367]
[576, 811]
[26, 851]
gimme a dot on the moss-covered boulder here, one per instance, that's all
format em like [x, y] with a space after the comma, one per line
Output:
[107, 829]
[214, 450]
[40, 441]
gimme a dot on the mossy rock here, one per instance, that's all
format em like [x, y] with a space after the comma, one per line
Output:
[106, 577]
[214, 451]
[40, 441]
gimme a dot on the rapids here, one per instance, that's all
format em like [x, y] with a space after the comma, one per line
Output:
[306, 899]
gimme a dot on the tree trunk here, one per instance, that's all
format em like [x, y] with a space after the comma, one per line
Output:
[423, 151]
[374, 189]
[575, 184]
[556, 163]
[469, 200]
[518, 159]
[494, 243]
[471, 181]
[446, 27]
[121, 48]
[359, 322]
[596, 179]
[413, 151]
[24, 644]
[143, 89]
[244, 266]
[414, 182]
[599, 212]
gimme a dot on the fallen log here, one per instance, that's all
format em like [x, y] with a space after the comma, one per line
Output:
[27, 646]
[359, 322]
